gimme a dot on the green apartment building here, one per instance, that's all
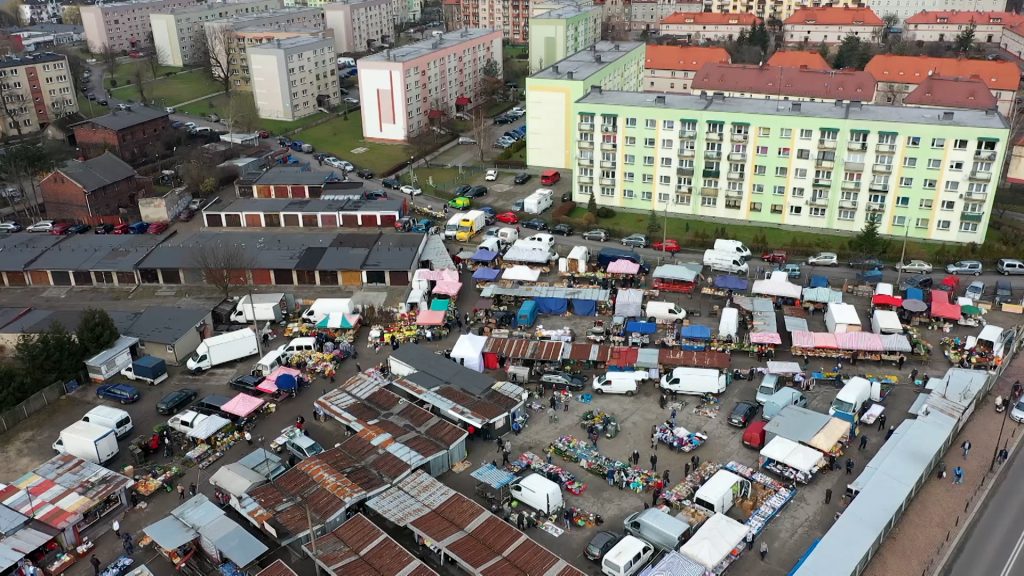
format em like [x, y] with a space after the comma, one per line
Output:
[558, 33]
[550, 95]
[923, 172]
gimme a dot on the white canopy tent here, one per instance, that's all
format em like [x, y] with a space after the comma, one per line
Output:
[629, 302]
[714, 541]
[883, 288]
[796, 456]
[841, 317]
[469, 351]
[886, 322]
[778, 287]
[728, 326]
[522, 273]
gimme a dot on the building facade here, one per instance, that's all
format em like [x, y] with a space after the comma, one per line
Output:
[121, 26]
[400, 87]
[946, 25]
[551, 92]
[558, 33]
[292, 78]
[772, 83]
[38, 11]
[807, 165]
[706, 27]
[905, 10]
[135, 135]
[359, 25]
[178, 35]
[46, 36]
[92, 191]
[671, 68]
[646, 14]
[510, 17]
[770, 9]
[37, 90]
[898, 76]
[829, 25]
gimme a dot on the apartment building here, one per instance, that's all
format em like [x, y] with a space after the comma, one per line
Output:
[905, 9]
[898, 76]
[799, 59]
[807, 165]
[179, 36]
[122, 26]
[672, 68]
[646, 14]
[37, 89]
[292, 78]
[771, 9]
[945, 25]
[551, 92]
[511, 17]
[400, 88]
[38, 11]
[451, 13]
[558, 33]
[706, 27]
[774, 83]
[829, 25]
[360, 25]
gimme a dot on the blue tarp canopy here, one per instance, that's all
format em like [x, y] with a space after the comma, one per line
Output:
[584, 307]
[915, 294]
[730, 282]
[695, 332]
[486, 274]
[493, 476]
[484, 255]
[555, 306]
[818, 281]
[636, 326]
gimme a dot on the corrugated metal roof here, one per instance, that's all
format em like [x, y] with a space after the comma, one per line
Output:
[278, 568]
[522, 349]
[596, 294]
[691, 359]
[19, 543]
[359, 547]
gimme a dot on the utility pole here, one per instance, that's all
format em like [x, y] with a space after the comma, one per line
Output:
[255, 324]
[903, 254]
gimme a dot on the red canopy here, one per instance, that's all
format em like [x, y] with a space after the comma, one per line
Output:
[462, 101]
[886, 300]
[942, 308]
[435, 114]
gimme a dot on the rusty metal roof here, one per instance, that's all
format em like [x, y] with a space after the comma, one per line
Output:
[521, 349]
[716, 360]
[583, 352]
[485, 409]
[358, 547]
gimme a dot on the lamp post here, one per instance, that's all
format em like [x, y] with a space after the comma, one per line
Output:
[903, 254]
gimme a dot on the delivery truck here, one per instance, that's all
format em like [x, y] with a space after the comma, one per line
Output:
[223, 348]
[470, 225]
[260, 308]
[323, 307]
[148, 369]
[88, 441]
[451, 228]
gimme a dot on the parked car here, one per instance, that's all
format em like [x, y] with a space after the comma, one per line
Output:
[157, 228]
[562, 381]
[170, 110]
[562, 229]
[466, 140]
[965, 267]
[668, 245]
[775, 256]
[177, 124]
[10, 226]
[103, 229]
[489, 214]
[491, 176]
[335, 162]
[975, 290]
[792, 269]
[120, 229]
[263, 134]
[462, 190]
[517, 206]
[503, 119]
[350, 100]
[41, 226]
[919, 282]
[410, 190]
[866, 263]
[247, 383]
[365, 173]
[172, 402]
[743, 413]
[599, 234]
[78, 229]
[459, 202]
[139, 227]
[476, 192]
[1007, 266]
[391, 183]
[823, 259]
[535, 224]
[186, 215]
[635, 240]
[507, 218]
[123, 393]
[916, 266]
[600, 544]
[521, 178]
[195, 204]
[60, 229]
[518, 111]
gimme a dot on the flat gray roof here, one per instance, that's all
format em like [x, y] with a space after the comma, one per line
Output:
[121, 119]
[586, 63]
[287, 43]
[36, 320]
[394, 252]
[19, 250]
[866, 112]
[295, 175]
[264, 15]
[355, 203]
[105, 252]
[424, 47]
[566, 12]
[165, 324]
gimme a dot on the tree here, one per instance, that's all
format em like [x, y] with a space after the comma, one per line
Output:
[889, 23]
[481, 130]
[208, 187]
[139, 81]
[242, 116]
[852, 53]
[96, 331]
[653, 224]
[223, 264]
[964, 41]
[55, 349]
[109, 59]
[71, 14]
[869, 242]
[213, 49]
[13, 106]
[592, 205]
[151, 56]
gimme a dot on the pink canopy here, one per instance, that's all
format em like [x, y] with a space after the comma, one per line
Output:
[825, 340]
[802, 339]
[269, 384]
[942, 308]
[242, 405]
[860, 341]
[765, 338]
[623, 267]
[448, 288]
[438, 275]
[430, 317]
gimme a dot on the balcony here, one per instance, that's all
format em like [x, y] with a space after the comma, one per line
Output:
[738, 136]
[608, 164]
[734, 193]
[707, 191]
[823, 163]
[851, 185]
[713, 136]
[608, 146]
[711, 173]
[879, 186]
[976, 196]
[882, 168]
[980, 176]
[586, 161]
[683, 190]
[687, 153]
[586, 126]
[712, 154]
[586, 144]
[607, 181]
[688, 134]
[585, 179]
[853, 166]
[989, 155]
[819, 201]
[885, 148]
[876, 207]
[972, 216]
[827, 144]
[609, 128]
[737, 156]
[857, 146]
[684, 171]
[822, 183]
[848, 204]
[733, 175]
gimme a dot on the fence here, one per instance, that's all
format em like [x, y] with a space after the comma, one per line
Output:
[34, 403]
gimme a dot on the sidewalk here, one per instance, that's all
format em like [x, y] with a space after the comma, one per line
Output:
[928, 529]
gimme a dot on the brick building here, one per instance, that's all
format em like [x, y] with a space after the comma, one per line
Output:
[93, 191]
[134, 134]
[38, 89]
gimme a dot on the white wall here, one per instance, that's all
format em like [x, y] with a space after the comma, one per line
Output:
[546, 117]
[270, 87]
[381, 91]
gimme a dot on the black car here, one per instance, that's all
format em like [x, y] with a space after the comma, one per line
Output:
[600, 544]
[462, 190]
[921, 282]
[869, 263]
[172, 402]
[476, 192]
[79, 229]
[365, 174]
[391, 183]
[211, 405]
[375, 194]
[522, 178]
[562, 381]
[102, 101]
[104, 228]
[320, 156]
[743, 414]
[248, 383]
[563, 229]
[504, 119]
[535, 224]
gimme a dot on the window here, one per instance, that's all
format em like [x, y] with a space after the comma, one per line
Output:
[764, 132]
[959, 144]
[630, 122]
[925, 204]
[663, 197]
[629, 159]
[902, 201]
[781, 171]
[650, 124]
[716, 127]
[666, 162]
[708, 201]
[800, 173]
[683, 199]
[906, 182]
[818, 211]
[805, 134]
[648, 178]
[947, 205]
[779, 190]
[934, 163]
[755, 206]
[910, 162]
[969, 227]
[795, 210]
[899, 221]
[785, 132]
[803, 154]
[607, 191]
[913, 141]
[942, 225]
[757, 189]
[921, 223]
[665, 181]
[760, 170]
[762, 150]
[849, 196]
[973, 208]
[798, 192]
[648, 160]
[783, 153]
[648, 142]
[847, 214]
[668, 125]
[929, 184]
[776, 209]
[667, 144]
[628, 193]
[627, 176]
[977, 188]
[938, 142]
[952, 186]
[630, 140]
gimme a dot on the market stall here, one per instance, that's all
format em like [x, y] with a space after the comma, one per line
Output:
[943, 310]
[486, 274]
[841, 318]
[519, 273]
[675, 278]
[728, 326]
[484, 256]
[830, 439]
[553, 472]
[431, 317]
[623, 267]
[815, 345]
[820, 297]
[492, 484]
[629, 302]
[984, 351]
[886, 322]
[769, 495]
[243, 406]
[694, 337]
[679, 438]
[790, 460]
[777, 287]
[447, 288]
[340, 321]
[886, 302]
[468, 351]
[582, 451]
[576, 262]
[716, 544]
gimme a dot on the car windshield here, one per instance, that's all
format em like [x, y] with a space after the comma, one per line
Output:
[842, 406]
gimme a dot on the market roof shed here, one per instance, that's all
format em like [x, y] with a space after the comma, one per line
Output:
[360, 547]
[796, 424]
[93, 260]
[223, 538]
[353, 211]
[169, 332]
[18, 251]
[19, 537]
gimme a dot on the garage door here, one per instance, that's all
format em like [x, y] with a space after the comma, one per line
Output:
[213, 220]
[16, 279]
[39, 277]
[329, 220]
[261, 277]
[298, 192]
[280, 191]
[399, 278]
[387, 220]
[254, 220]
[350, 220]
[351, 278]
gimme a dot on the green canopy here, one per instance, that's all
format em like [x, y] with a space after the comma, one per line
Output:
[439, 304]
[970, 310]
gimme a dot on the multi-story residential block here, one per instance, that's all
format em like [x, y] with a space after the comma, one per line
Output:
[39, 11]
[770, 9]
[897, 76]
[938, 92]
[292, 78]
[769, 82]
[551, 92]
[558, 33]
[37, 89]
[360, 25]
[93, 190]
[799, 59]
[904, 9]
[123, 26]
[646, 14]
[829, 25]
[706, 27]
[399, 88]
[136, 135]
[945, 25]
[672, 68]
[511, 17]
[179, 36]
[811, 165]
[45, 36]
[451, 13]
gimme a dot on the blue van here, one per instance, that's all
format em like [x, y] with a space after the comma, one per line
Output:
[527, 314]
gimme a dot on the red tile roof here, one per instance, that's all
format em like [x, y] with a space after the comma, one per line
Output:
[799, 59]
[804, 83]
[360, 548]
[711, 18]
[683, 57]
[997, 75]
[965, 17]
[952, 93]
[835, 16]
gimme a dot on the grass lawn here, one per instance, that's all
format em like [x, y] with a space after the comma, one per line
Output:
[124, 72]
[220, 105]
[171, 91]
[439, 181]
[344, 139]
[91, 109]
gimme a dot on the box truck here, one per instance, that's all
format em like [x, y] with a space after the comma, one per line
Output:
[451, 228]
[539, 201]
[470, 225]
[260, 308]
[538, 493]
[323, 307]
[223, 348]
[148, 369]
[88, 441]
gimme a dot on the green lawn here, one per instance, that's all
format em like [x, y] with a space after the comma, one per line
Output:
[91, 109]
[171, 91]
[220, 105]
[124, 72]
[344, 139]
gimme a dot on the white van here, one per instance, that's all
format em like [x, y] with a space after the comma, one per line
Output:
[304, 344]
[344, 62]
[538, 493]
[492, 244]
[627, 557]
[269, 362]
[851, 397]
[618, 383]
[770, 384]
[539, 241]
[734, 247]
[664, 312]
[725, 262]
[697, 381]
[666, 532]
[112, 418]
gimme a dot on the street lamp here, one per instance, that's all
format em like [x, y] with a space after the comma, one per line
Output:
[903, 254]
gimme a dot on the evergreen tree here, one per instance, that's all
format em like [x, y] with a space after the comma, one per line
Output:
[96, 332]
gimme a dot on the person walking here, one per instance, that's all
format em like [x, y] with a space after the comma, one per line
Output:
[248, 437]
[892, 430]
[672, 418]
[500, 443]
[655, 494]
[654, 462]
[686, 469]
[567, 518]
[828, 495]
[863, 442]
[1003, 455]
[900, 361]
[636, 457]
[192, 489]
[610, 476]
[654, 441]
[913, 375]
[881, 422]
[966, 447]
[958, 475]
[764, 550]
[128, 544]
[181, 492]
[749, 539]
[95, 564]
[664, 477]
[117, 528]
[504, 455]
[696, 462]
[849, 466]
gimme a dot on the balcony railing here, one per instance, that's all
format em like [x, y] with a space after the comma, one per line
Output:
[688, 134]
[738, 136]
[885, 148]
[984, 155]
[585, 179]
[608, 181]
[972, 216]
[848, 204]
[587, 144]
[827, 144]
[851, 185]
[609, 127]
[707, 191]
[607, 164]
[587, 126]
[857, 146]
[882, 168]
[608, 146]
[981, 176]
[853, 166]
[687, 153]
[733, 175]
[876, 207]
[820, 201]
[823, 163]
[737, 156]
[712, 154]
[684, 171]
[586, 162]
[713, 136]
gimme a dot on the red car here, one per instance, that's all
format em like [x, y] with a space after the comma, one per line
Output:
[775, 256]
[120, 229]
[136, 54]
[507, 218]
[157, 228]
[61, 229]
[669, 245]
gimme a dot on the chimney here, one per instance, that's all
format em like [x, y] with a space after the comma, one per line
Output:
[595, 88]
[568, 75]
[659, 100]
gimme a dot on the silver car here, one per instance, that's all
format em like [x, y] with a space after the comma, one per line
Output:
[823, 259]
[635, 240]
[965, 267]
[598, 234]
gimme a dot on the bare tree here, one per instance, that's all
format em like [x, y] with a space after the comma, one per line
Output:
[12, 106]
[109, 59]
[139, 81]
[480, 130]
[152, 56]
[242, 115]
[223, 264]
[213, 49]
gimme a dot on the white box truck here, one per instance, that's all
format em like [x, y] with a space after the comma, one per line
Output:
[539, 201]
[88, 441]
[322, 307]
[470, 225]
[734, 247]
[452, 227]
[223, 348]
[260, 308]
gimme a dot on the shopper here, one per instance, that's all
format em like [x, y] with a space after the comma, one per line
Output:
[129, 546]
[655, 494]
[610, 476]
[913, 375]
[248, 437]
[900, 361]
[764, 550]
[892, 430]
[958, 475]
[966, 447]
[181, 492]
[1003, 455]
[863, 441]
[686, 469]
[664, 476]
[828, 495]
[117, 528]
[849, 466]
[95, 564]
[636, 457]
[654, 462]
[881, 422]
[749, 538]
[672, 418]
[567, 518]
[654, 441]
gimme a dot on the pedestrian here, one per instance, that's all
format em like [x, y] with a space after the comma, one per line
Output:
[117, 528]
[567, 518]
[654, 442]
[552, 416]
[553, 402]
[636, 457]
[863, 442]
[663, 401]
[881, 422]
[900, 361]
[129, 546]
[672, 418]
[654, 462]
[849, 466]
[181, 492]
[749, 538]
[500, 443]
[1003, 455]
[359, 368]
[655, 494]
[686, 470]
[828, 495]
[248, 437]
[95, 564]
[966, 447]
[764, 550]
[941, 470]
[665, 477]
[913, 376]
[807, 361]
[958, 475]
[610, 476]
[192, 489]
[565, 405]
[696, 462]
[504, 458]
[892, 430]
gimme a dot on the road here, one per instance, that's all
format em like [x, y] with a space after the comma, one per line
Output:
[994, 542]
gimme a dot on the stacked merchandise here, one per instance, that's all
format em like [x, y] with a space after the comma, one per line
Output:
[582, 451]
[553, 472]
[154, 480]
[680, 494]
[679, 438]
[708, 406]
[315, 363]
[776, 495]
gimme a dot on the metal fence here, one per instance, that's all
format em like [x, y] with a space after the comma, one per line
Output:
[10, 417]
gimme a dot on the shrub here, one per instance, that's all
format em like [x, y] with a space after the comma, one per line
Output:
[605, 212]
[588, 220]
[563, 209]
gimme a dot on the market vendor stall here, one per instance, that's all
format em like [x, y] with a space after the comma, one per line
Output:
[830, 439]
[777, 286]
[895, 343]
[280, 379]
[622, 266]
[679, 438]
[158, 477]
[790, 460]
[770, 496]
[430, 317]
[886, 322]
[553, 472]
[582, 451]
[716, 544]
[984, 351]
[484, 255]
[886, 302]
[521, 273]
[819, 298]
[860, 342]
[694, 337]
[340, 321]
[629, 302]
[492, 484]
[728, 326]
[942, 309]
[576, 262]
[208, 427]
[815, 344]
[841, 317]
[675, 278]
[730, 282]
[243, 406]
[447, 288]
[468, 351]
[486, 274]
[970, 315]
